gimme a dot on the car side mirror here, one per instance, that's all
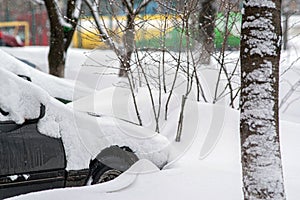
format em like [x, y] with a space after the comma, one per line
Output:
[4, 113]
[7, 126]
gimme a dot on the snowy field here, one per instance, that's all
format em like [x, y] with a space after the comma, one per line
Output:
[206, 163]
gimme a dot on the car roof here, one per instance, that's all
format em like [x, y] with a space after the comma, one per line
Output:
[56, 87]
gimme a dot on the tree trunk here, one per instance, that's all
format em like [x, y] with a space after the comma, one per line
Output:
[56, 55]
[259, 122]
[73, 20]
[206, 23]
[128, 41]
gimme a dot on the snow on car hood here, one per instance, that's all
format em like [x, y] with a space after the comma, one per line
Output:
[83, 135]
[118, 102]
[56, 87]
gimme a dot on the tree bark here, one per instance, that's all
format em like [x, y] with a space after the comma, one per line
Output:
[56, 55]
[128, 41]
[259, 120]
[73, 20]
[206, 23]
[60, 36]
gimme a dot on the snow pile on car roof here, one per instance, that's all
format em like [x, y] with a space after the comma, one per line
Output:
[56, 87]
[16, 99]
[83, 136]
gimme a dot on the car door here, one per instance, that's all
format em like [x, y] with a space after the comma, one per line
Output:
[29, 160]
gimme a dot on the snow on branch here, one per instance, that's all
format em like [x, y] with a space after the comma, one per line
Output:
[141, 6]
[40, 2]
[261, 3]
[128, 6]
[62, 20]
[77, 9]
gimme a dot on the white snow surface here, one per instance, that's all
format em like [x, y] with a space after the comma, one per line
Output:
[191, 177]
[200, 168]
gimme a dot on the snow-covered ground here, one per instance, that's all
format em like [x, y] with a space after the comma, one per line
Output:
[204, 165]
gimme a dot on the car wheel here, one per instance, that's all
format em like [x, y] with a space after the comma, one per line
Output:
[106, 174]
[110, 163]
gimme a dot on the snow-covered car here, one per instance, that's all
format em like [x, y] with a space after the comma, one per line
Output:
[45, 144]
[59, 88]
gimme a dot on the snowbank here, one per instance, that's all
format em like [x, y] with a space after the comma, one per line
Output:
[215, 176]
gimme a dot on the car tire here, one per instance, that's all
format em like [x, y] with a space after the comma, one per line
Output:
[110, 163]
[105, 174]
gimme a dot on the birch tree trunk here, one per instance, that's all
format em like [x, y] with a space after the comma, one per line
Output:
[259, 122]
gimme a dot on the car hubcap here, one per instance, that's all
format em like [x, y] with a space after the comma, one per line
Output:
[109, 175]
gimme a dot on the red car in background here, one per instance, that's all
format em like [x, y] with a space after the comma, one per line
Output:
[10, 41]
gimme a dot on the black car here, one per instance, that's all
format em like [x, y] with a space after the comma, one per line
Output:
[32, 161]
